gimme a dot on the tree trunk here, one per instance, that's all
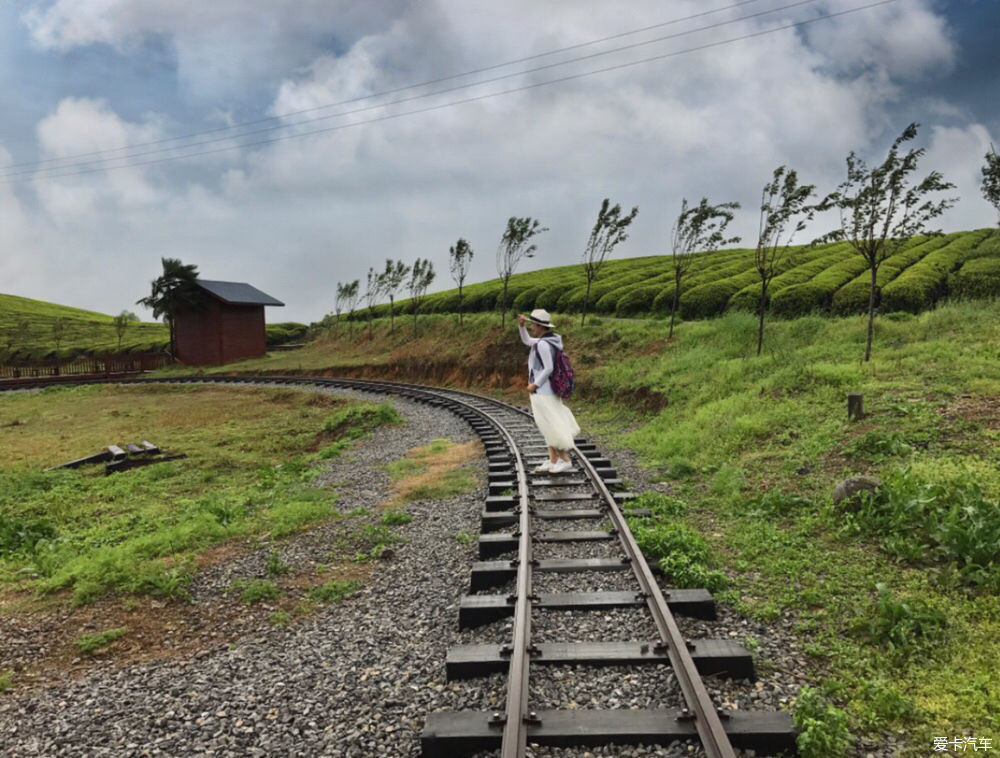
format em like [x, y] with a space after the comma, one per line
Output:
[871, 317]
[586, 303]
[460, 305]
[673, 307]
[392, 315]
[760, 327]
[503, 305]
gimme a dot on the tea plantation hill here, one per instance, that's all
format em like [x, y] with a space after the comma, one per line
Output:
[28, 332]
[826, 278]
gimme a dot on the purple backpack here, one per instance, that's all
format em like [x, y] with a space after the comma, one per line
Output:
[561, 378]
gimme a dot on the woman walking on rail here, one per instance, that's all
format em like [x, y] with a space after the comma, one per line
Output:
[555, 421]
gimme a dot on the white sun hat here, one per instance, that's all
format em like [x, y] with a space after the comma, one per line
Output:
[541, 316]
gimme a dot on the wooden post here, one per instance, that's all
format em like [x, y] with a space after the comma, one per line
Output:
[855, 406]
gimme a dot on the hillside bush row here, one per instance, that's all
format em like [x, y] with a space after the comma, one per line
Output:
[826, 278]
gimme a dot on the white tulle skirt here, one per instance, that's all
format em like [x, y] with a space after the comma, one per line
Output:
[554, 420]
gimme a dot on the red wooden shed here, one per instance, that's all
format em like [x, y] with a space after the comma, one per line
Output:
[228, 326]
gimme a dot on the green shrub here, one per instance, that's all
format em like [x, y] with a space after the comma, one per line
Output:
[800, 300]
[6, 681]
[707, 300]
[90, 643]
[334, 591]
[282, 333]
[775, 503]
[637, 300]
[275, 566]
[823, 731]
[979, 277]
[681, 553]
[878, 445]
[950, 521]
[548, 298]
[253, 591]
[659, 505]
[17, 534]
[525, 301]
[902, 624]
[396, 517]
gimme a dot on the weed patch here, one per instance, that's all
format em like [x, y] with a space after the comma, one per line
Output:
[681, 553]
[6, 681]
[88, 644]
[335, 591]
[823, 731]
[252, 591]
[396, 517]
[903, 625]
[951, 521]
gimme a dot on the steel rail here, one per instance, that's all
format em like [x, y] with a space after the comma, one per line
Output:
[517, 718]
[706, 718]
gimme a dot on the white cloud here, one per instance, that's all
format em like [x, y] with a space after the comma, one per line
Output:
[958, 153]
[223, 46]
[906, 40]
[295, 217]
[81, 127]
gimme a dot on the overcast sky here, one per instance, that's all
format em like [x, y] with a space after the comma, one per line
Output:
[316, 195]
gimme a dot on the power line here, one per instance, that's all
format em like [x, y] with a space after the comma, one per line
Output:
[476, 98]
[399, 101]
[383, 93]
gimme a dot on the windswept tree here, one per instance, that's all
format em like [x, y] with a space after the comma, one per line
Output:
[699, 228]
[784, 212]
[347, 299]
[172, 292]
[991, 178]
[121, 323]
[392, 279]
[372, 294]
[460, 257]
[58, 333]
[421, 276]
[608, 233]
[513, 247]
[881, 208]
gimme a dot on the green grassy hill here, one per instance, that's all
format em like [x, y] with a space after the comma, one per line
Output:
[823, 278]
[28, 331]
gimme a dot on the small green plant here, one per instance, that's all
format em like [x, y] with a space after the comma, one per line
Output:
[6, 681]
[774, 503]
[903, 624]
[879, 445]
[365, 543]
[822, 726]
[681, 553]
[90, 643]
[464, 537]
[396, 517]
[256, 590]
[280, 618]
[403, 468]
[275, 566]
[334, 591]
[659, 505]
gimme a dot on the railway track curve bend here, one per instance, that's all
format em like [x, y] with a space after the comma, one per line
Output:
[520, 509]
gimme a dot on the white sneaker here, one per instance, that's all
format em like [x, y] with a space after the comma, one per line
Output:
[560, 466]
[543, 467]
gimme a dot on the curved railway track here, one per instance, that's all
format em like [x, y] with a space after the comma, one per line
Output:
[519, 509]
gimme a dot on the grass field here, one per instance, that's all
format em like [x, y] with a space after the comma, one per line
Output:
[29, 330]
[251, 459]
[897, 601]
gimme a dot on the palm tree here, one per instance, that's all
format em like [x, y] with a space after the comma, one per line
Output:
[173, 292]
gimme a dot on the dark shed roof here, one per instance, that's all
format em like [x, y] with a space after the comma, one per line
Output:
[237, 293]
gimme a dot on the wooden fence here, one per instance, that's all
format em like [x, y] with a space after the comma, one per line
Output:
[101, 365]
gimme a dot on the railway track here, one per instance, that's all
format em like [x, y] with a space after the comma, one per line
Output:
[527, 515]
